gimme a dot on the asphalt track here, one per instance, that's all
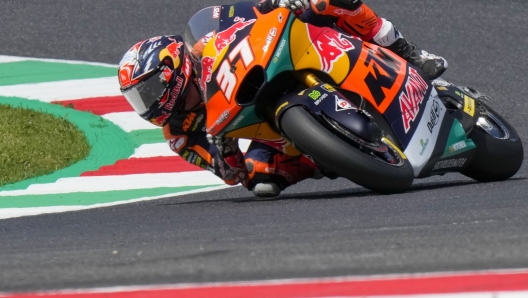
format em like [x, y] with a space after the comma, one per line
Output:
[317, 228]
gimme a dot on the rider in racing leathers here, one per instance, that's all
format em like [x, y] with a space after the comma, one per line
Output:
[159, 80]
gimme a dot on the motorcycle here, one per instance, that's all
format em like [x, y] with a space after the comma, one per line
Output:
[357, 110]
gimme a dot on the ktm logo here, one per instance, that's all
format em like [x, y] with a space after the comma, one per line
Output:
[188, 121]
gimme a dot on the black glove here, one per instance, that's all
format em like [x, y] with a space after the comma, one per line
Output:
[292, 5]
[266, 6]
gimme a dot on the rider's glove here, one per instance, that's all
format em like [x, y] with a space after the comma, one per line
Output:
[226, 146]
[294, 6]
[266, 6]
[229, 165]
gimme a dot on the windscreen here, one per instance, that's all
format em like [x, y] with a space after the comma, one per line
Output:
[201, 27]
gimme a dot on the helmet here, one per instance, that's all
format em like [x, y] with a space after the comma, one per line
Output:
[154, 75]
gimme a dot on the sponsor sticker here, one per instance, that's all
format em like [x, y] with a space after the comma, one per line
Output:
[323, 97]
[279, 144]
[315, 94]
[469, 105]
[228, 36]
[328, 88]
[216, 12]
[207, 72]
[279, 50]
[424, 145]
[197, 122]
[222, 118]
[435, 116]
[331, 46]
[270, 39]
[188, 121]
[343, 105]
[411, 98]
[450, 163]
[457, 147]
[175, 93]
[238, 120]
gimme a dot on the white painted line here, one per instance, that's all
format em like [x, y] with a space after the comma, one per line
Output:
[64, 90]
[162, 149]
[6, 213]
[14, 58]
[123, 182]
[129, 121]
[153, 150]
[8, 59]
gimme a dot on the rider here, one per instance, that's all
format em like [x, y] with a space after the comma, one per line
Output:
[159, 80]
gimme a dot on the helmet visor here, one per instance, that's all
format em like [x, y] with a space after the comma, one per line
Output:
[143, 95]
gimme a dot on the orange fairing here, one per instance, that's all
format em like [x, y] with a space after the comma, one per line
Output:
[329, 51]
[263, 133]
[232, 58]
[326, 50]
[379, 68]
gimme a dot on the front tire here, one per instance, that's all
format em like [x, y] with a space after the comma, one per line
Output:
[328, 149]
[499, 153]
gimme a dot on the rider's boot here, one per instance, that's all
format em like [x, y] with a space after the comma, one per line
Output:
[389, 37]
[433, 66]
[269, 179]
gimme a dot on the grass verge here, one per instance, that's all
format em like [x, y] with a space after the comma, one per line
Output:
[35, 144]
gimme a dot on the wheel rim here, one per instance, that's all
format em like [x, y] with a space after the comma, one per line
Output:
[493, 126]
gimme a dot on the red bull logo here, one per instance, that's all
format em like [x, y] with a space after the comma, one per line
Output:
[226, 37]
[207, 72]
[279, 144]
[160, 121]
[331, 46]
[174, 49]
[175, 94]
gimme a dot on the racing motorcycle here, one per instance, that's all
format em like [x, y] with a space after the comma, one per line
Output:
[357, 110]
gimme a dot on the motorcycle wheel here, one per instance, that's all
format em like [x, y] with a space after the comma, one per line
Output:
[329, 149]
[499, 153]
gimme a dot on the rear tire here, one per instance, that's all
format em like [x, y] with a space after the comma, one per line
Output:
[340, 157]
[497, 157]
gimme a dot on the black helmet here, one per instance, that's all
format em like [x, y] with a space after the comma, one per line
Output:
[154, 75]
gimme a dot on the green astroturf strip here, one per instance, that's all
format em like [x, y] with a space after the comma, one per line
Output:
[147, 136]
[26, 72]
[109, 142]
[90, 198]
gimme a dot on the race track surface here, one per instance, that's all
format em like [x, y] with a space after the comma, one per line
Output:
[317, 228]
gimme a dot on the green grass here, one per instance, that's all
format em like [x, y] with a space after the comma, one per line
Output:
[35, 144]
